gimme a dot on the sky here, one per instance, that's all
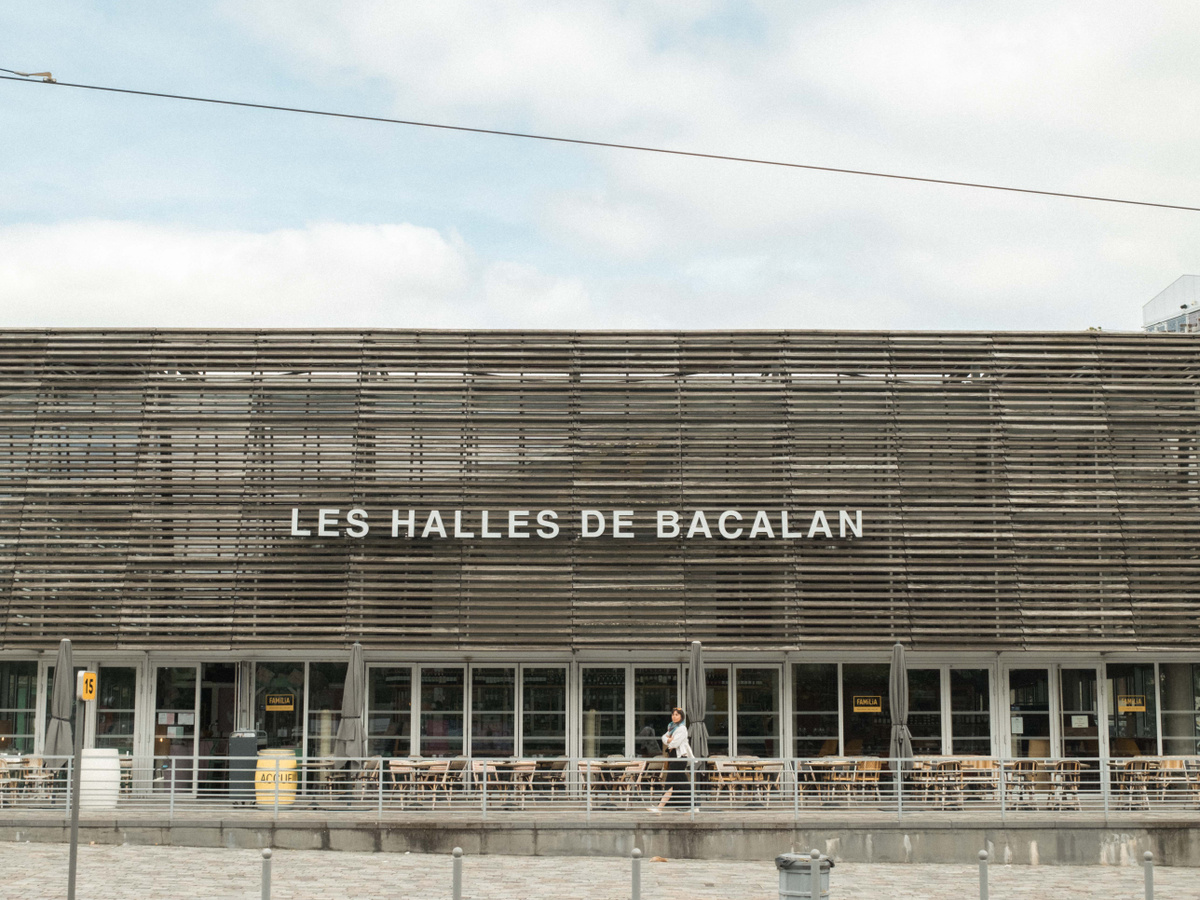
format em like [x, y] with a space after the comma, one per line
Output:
[127, 211]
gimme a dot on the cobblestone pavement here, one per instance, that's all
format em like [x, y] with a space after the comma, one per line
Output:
[39, 872]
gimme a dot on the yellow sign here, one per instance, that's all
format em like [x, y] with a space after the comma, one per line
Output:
[868, 704]
[85, 685]
[281, 702]
[1131, 702]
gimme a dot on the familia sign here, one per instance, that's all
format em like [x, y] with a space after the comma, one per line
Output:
[547, 524]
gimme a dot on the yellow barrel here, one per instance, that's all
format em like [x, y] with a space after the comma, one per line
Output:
[275, 777]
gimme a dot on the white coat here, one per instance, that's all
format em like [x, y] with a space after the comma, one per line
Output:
[678, 741]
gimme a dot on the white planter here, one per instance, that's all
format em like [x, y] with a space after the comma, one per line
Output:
[99, 779]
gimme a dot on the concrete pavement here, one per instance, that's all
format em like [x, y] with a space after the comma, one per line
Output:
[30, 871]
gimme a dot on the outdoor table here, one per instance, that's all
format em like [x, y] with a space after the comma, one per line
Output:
[823, 769]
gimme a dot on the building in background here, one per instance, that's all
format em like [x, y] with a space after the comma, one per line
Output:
[525, 530]
[1176, 308]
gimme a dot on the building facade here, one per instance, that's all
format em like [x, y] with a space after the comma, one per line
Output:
[1176, 308]
[525, 530]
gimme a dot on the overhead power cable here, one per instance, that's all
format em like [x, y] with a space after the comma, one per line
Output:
[695, 154]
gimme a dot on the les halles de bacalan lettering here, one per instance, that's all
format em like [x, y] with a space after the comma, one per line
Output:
[730, 524]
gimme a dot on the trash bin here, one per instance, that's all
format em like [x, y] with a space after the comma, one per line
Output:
[243, 753]
[795, 875]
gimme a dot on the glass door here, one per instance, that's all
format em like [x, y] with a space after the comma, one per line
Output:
[494, 712]
[1029, 713]
[279, 703]
[655, 693]
[175, 709]
[116, 701]
[1080, 707]
[756, 719]
[603, 706]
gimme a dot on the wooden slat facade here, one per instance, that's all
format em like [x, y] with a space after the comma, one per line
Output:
[1018, 491]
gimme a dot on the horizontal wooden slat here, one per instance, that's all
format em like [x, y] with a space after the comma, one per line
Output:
[1018, 491]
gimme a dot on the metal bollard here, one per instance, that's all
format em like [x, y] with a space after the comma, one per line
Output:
[637, 874]
[266, 874]
[456, 877]
[814, 877]
[1148, 863]
[983, 875]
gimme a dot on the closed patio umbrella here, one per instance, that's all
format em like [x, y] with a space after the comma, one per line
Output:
[59, 743]
[900, 748]
[351, 741]
[695, 698]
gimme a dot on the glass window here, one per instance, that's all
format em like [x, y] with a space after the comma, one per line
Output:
[494, 712]
[815, 695]
[603, 712]
[1181, 708]
[970, 713]
[1132, 712]
[544, 712]
[115, 700]
[389, 706]
[1029, 712]
[442, 691]
[655, 694]
[924, 710]
[866, 709]
[716, 713]
[18, 700]
[278, 702]
[326, 685]
[757, 712]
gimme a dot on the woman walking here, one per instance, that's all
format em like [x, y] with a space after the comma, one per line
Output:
[676, 746]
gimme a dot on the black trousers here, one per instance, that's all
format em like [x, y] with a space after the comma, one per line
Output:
[679, 782]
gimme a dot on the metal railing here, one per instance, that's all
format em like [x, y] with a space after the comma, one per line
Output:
[376, 787]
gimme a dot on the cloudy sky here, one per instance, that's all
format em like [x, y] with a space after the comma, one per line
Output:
[124, 211]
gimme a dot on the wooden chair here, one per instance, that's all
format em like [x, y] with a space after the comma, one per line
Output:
[866, 778]
[770, 781]
[9, 784]
[807, 782]
[366, 779]
[981, 778]
[591, 779]
[521, 779]
[126, 774]
[402, 779]
[629, 782]
[552, 774]
[1135, 781]
[725, 778]
[1192, 766]
[38, 779]
[1173, 780]
[1022, 782]
[948, 783]
[434, 778]
[655, 775]
[841, 780]
[1064, 784]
